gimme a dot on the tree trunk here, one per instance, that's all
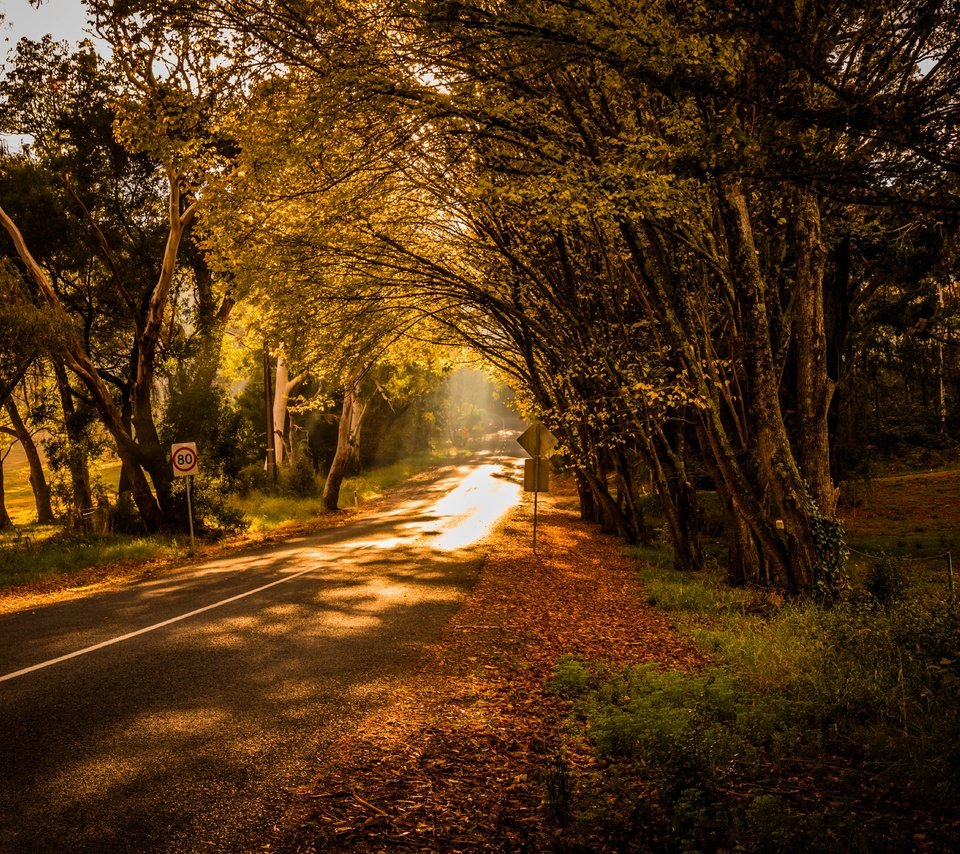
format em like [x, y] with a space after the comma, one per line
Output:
[283, 386]
[148, 454]
[771, 453]
[611, 518]
[76, 452]
[348, 445]
[627, 498]
[688, 546]
[837, 316]
[745, 563]
[588, 505]
[5, 521]
[814, 387]
[677, 496]
[38, 481]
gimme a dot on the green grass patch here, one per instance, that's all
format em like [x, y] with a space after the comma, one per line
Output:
[18, 499]
[44, 556]
[929, 544]
[268, 512]
[373, 482]
[855, 706]
[18, 494]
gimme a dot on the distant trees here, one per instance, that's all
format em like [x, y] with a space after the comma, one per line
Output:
[289, 223]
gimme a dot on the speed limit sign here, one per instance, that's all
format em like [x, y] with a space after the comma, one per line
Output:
[183, 455]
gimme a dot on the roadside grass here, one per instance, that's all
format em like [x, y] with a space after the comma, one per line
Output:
[266, 511]
[18, 498]
[50, 553]
[813, 729]
[18, 494]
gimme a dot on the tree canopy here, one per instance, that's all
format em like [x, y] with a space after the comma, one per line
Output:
[681, 231]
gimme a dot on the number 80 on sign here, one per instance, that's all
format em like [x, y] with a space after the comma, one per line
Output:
[183, 455]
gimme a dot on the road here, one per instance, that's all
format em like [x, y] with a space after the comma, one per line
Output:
[173, 714]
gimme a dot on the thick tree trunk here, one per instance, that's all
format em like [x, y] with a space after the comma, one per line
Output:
[771, 453]
[283, 387]
[588, 505]
[38, 480]
[348, 445]
[745, 563]
[148, 454]
[814, 386]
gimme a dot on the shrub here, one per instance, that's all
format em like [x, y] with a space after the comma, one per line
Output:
[212, 512]
[571, 678]
[299, 478]
[252, 478]
[863, 686]
[886, 580]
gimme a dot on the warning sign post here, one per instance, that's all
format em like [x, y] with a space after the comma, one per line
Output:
[537, 441]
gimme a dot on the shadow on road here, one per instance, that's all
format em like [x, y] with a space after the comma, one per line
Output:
[185, 737]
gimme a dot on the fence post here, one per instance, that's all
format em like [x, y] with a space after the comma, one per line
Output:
[950, 572]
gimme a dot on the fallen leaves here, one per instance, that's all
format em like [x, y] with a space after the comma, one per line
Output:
[464, 756]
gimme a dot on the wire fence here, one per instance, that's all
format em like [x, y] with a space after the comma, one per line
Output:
[945, 557]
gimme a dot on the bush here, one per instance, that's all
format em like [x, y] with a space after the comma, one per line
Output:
[212, 512]
[571, 678]
[870, 688]
[252, 478]
[886, 580]
[299, 478]
[687, 728]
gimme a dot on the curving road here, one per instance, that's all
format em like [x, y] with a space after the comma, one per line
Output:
[172, 715]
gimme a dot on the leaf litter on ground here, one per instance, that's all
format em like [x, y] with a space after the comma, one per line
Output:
[465, 756]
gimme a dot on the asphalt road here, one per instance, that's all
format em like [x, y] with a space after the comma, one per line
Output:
[173, 714]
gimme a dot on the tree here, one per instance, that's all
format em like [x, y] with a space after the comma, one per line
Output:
[27, 332]
[38, 480]
[164, 133]
[285, 226]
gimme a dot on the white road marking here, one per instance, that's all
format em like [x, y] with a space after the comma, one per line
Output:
[466, 520]
[152, 628]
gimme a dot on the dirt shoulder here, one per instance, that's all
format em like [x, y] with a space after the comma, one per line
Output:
[461, 759]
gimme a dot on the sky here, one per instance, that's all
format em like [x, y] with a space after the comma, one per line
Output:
[64, 19]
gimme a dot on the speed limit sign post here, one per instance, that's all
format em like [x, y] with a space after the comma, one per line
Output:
[183, 456]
